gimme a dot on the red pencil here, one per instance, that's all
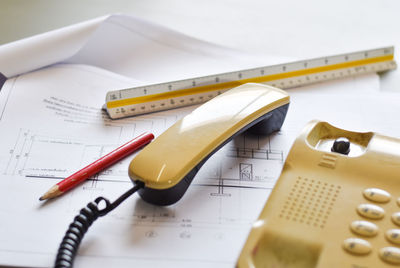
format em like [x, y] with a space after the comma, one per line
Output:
[98, 166]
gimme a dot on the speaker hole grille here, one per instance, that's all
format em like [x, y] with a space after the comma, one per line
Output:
[310, 202]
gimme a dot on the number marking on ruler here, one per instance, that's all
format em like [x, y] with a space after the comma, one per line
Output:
[158, 97]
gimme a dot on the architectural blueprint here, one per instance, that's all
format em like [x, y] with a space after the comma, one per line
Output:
[56, 133]
[52, 124]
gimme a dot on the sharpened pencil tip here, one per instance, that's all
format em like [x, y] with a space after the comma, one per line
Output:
[53, 192]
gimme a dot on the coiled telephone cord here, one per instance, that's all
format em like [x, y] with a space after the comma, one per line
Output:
[77, 229]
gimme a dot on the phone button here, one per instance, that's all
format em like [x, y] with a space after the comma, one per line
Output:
[396, 218]
[357, 246]
[390, 255]
[370, 211]
[393, 235]
[376, 195]
[364, 228]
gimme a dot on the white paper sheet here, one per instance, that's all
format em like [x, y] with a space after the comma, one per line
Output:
[148, 52]
[45, 49]
[50, 134]
[51, 125]
[128, 46]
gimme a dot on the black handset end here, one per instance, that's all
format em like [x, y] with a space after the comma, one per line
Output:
[264, 125]
[270, 122]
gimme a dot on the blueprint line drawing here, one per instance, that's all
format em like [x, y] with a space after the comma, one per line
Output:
[36, 156]
[246, 171]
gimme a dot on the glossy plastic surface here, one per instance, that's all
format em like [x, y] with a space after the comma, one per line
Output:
[308, 217]
[170, 157]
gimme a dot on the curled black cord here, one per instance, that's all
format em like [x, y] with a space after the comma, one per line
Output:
[77, 229]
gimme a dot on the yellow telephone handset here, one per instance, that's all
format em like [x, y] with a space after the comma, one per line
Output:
[168, 165]
[336, 204]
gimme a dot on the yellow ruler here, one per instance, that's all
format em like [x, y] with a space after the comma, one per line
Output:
[158, 97]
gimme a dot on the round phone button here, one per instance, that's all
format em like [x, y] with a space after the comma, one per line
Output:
[357, 246]
[364, 228]
[376, 195]
[393, 235]
[396, 218]
[370, 211]
[390, 255]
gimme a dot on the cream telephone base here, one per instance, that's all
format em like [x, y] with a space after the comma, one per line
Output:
[336, 204]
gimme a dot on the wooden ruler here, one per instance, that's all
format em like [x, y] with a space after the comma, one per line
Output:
[159, 97]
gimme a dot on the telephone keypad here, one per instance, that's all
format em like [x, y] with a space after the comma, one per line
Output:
[365, 228]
